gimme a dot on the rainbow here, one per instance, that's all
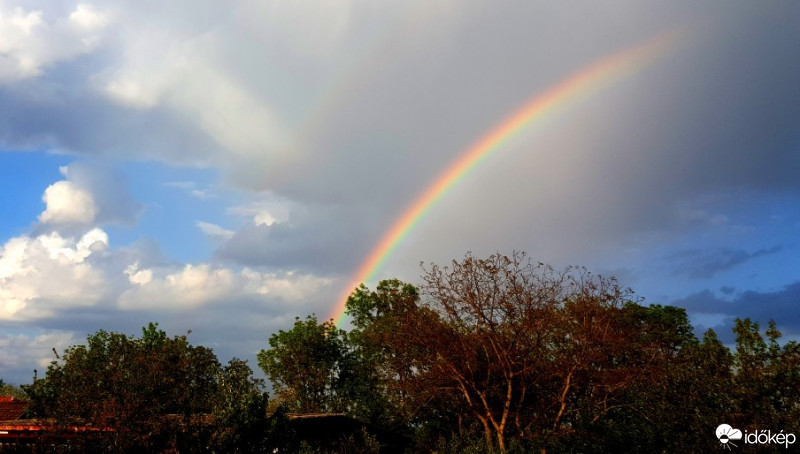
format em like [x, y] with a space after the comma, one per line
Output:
[574, 88]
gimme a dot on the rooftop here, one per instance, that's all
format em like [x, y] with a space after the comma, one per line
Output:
[12, 408]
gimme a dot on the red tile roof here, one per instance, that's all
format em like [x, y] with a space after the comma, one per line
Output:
[11, 408]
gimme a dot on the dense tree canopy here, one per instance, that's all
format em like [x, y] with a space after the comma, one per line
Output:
[488, 354]
[305, 365]
[153, 393]
[526, 351]
[567, 361]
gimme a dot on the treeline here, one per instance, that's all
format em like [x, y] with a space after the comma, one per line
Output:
[497, 354]
[153, 393]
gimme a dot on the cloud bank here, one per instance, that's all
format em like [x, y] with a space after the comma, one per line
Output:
[321, 124]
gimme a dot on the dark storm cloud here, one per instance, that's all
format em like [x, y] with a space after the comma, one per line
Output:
[718, 115]
[780, 306]
[704, 264]
[702, 119]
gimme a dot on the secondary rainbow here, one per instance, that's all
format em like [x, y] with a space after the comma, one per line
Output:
[575, 87]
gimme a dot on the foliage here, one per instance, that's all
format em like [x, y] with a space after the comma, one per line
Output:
[488, 355]
[7, 389]
[305, 365]
[239, 410]
[533, 351]
[144, 393]
[767, 378]
[380, 318]
[530, 358]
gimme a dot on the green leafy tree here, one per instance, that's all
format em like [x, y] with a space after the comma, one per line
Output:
[7, 389]
[767, 378]
[686, 384]
[240, 411]
[503, 354]
[702, 385]
[306, 365]
[699, 394]
[141, 393]
[390, 358]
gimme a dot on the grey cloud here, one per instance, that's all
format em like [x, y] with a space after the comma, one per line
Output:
[780, 305]
[27, 349]
[327, 240]
[58, 112]
[408, 100]
[704, 264]
[240, 336]
[109, 199]
[378, 102]
[109, 189]
[623, 163]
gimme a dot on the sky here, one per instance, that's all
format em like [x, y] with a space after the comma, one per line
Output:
[225, 166]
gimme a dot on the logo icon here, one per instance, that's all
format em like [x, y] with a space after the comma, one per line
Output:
[726, 434]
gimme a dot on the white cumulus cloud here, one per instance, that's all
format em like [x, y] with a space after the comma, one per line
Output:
[88, 196]
[29, 43]
[197, 285]
[87, 17]
[67, 204]
[43, 274]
